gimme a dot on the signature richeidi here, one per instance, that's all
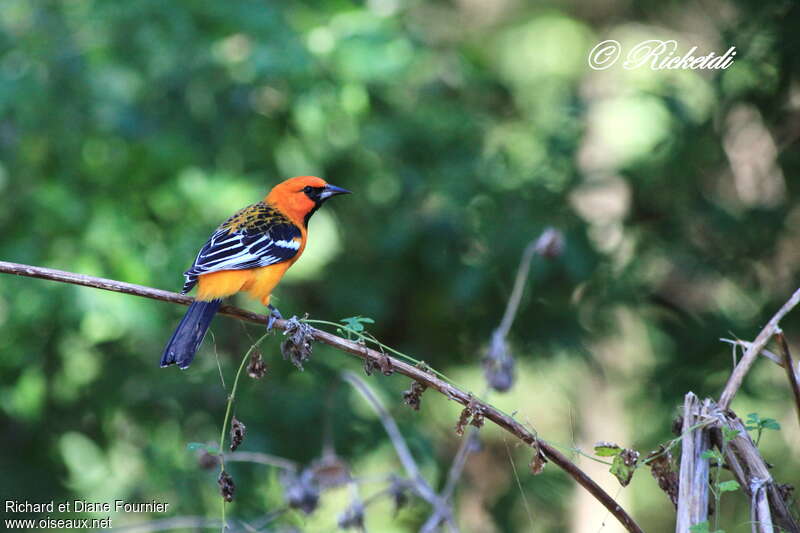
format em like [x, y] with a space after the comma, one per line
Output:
[658, 55]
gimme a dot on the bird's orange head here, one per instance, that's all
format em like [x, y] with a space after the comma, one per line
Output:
[300, 197]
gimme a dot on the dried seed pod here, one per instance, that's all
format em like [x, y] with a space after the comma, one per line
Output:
[498, 364]
[785, 491]
[471, 414]
[550, 244]
[237, 433]
[399, 492]
[477, 416]
[298, 346]
[226, 486]
[352, 517]
[660, 463]
[256, 367]
[413, 396]
[370, 366]
[330, 471]
[538, 460]
[301, 492]
[463, 419]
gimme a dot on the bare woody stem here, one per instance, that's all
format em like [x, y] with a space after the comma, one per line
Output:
[550, 241]
[694, 482]
[262, 459]
[441, 508]
[502, 420]
[777, 359]
[789, 366]
[750, 355]
[519, 287]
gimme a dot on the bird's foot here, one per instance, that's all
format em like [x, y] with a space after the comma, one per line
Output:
[274, 315]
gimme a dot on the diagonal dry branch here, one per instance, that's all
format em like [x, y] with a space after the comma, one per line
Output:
[752, 474]
[750, 355]
[788, 364]
[379, 359]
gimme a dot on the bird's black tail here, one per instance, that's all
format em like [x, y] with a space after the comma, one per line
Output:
[189, 334]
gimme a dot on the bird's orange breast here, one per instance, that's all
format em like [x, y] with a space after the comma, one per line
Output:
[258, 283]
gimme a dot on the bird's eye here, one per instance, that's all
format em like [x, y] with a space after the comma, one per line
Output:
[307, 189]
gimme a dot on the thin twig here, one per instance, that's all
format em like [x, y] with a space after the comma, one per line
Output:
[121, 286]
[519, 287]
[426, 378]
[262, 459]
[421, 485]
[789, 366]
[519, 483]
[228, 408]
[775, 358]
[454, 474]
[749, 357]
[549, 238]
[399, 443]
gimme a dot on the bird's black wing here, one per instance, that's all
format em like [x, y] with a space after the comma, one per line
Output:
[256, 236]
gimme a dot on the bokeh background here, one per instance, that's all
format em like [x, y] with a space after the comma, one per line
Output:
[129, 130]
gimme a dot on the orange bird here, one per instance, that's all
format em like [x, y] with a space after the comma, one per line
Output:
[250, 252]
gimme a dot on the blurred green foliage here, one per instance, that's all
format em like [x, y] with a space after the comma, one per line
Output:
[129, 130]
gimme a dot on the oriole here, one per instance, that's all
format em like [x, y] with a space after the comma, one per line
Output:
[250, 252]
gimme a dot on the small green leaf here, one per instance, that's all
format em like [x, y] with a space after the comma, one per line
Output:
[607, 449]
[770, 423]
[728, 434]
[624, 465]
[756, 423]
[702, 527]
[356, 323]
[712, 454]
[728, 486]
[753, 422]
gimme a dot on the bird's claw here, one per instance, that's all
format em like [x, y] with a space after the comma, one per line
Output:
[274, 315]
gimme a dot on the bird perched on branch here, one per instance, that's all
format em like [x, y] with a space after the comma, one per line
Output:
[250, 252]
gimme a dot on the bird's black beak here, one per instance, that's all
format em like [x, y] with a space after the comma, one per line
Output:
[331, 190]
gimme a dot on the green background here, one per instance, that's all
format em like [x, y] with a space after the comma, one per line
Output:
[129, 130]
